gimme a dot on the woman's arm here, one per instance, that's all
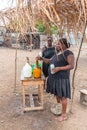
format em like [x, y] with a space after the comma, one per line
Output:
[70, 60]
[45, 60]
[43, 49]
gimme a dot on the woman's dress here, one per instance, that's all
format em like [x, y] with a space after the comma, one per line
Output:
[59, 83]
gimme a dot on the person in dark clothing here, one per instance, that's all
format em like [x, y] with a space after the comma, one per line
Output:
[58, 82]
[47, 52]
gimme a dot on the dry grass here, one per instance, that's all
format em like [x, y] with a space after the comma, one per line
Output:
[68, 13]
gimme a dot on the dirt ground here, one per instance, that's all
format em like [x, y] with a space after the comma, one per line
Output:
[11, 112]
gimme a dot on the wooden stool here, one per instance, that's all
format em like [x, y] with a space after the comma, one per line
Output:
[83, 96]
[40, 86]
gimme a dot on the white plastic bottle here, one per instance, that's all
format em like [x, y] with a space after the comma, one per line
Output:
[40, 54]
[52, 66]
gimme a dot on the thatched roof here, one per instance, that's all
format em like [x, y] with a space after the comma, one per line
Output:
[66, 13]
[71, 13]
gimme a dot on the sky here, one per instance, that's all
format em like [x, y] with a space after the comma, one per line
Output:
[5, 4]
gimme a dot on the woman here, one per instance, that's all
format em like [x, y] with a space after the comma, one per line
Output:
[47, 52]
[58, 82]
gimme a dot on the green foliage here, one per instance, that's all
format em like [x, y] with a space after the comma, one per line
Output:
[40, 26]
[47, 28]
[53, 29]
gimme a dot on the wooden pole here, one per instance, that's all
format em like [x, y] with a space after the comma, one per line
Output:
[30, 41]
[16, 64]
[73, 78]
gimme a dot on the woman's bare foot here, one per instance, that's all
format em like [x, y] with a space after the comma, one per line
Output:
[62, 117]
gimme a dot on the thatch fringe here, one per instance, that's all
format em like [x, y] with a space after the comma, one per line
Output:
[72, 11]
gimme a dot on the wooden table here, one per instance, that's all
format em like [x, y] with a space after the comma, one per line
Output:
[40, 85]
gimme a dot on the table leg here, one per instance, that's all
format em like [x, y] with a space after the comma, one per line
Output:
[23, 90]
[40, 93]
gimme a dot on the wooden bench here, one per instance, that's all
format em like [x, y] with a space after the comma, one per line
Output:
[83, 96]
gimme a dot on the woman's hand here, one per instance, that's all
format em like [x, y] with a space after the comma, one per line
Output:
[38, 57]
[56, 69]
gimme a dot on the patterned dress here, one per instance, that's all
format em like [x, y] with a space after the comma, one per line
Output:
[59, 83]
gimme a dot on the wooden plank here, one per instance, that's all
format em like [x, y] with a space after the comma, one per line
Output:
[32, 83]
[33, 108]
[31, 100]
[34, 79]
[83, 96]
[84, 91]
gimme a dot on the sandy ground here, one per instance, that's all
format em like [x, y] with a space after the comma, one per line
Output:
[11, 112]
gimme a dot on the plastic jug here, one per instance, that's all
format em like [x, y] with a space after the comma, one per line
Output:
[27, 70]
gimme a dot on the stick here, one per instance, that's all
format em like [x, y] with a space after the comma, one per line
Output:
[16, 64]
